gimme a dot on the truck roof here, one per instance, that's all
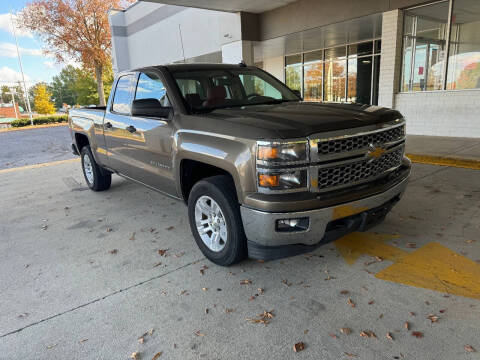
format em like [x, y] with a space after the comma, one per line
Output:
[195, 66]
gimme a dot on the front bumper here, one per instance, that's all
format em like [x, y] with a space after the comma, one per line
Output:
[325, 224]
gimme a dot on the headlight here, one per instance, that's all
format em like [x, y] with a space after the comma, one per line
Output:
[282, 153]
[283, 181]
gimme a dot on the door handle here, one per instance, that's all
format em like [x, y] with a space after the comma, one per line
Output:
[131, 128]
[108, 125]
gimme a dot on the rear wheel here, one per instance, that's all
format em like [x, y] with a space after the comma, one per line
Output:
[97, 179]
[215, 220]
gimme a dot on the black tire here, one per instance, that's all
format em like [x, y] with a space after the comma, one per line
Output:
[102, 179]
[221, 189]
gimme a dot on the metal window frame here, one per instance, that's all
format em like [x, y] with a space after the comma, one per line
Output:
[448, 45]
[347, 56]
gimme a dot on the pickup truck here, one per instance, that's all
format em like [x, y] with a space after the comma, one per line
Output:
[264, 174]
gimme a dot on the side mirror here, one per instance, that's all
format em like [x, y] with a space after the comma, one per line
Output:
[150, 108]
[298, 93]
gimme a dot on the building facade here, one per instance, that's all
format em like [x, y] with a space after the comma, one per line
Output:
[422, 58]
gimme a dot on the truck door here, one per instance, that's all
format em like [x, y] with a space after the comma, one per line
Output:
[117, 119]
[147, 144]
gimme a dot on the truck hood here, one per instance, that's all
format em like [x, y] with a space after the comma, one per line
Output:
[294, 119]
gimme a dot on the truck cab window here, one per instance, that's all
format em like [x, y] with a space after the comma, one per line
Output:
[123, 95]
[150, 86]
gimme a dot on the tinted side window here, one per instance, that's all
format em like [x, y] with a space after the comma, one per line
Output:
[150, 86]
[123, 95]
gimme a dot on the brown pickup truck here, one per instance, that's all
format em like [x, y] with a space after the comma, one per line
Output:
[263, 173]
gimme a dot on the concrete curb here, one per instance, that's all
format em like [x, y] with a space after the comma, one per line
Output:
[445, 161]
[30, 127]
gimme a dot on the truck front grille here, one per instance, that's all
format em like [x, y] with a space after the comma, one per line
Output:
[359, 142]
[351, 173]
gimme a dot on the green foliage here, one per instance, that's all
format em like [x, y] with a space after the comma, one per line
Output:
[52, 119]
[75, 86]
[19, 96]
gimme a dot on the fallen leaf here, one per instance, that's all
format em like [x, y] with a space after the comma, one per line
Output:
[183, 292]
[49, 347]
[344, 292]
[162, 252]
[441, 311]
[407, 325]
[305, 332]
[44, 227]
[263, 318]
[141, 340]
[350, 302]
[251, 298]
[202, 269]
[198, 333]
[157, 264]
[114, 251]
[299, 346]
[227, 310]
[411, 245]
[245, 282]
[205, 289]
[412, 313]
[368, 334]
[378, 258]
[150, 332]
[157, 355]
[417, 334]
[285, 282]
[346, 331]
[82, 341]
[260, 290]
[469, 348]
[207, 311]
[132, 237]
[433, 318]
[350, 355]
[389, 336]
[371, 302]
[134, 356]
[170, 228]
[333, 336]
[380, 316]
[109, 229]
[470, 241]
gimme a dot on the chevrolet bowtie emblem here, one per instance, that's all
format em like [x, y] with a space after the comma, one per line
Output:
[375, 152]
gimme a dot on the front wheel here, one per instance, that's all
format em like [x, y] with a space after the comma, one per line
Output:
[97, 179]
[215, 220]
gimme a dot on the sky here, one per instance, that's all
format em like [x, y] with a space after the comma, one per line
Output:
[36, 65]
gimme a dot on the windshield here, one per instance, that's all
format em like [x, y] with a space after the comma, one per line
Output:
[209, 89]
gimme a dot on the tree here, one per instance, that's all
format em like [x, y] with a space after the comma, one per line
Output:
[75, 28]
[41, 100]
[62, 87]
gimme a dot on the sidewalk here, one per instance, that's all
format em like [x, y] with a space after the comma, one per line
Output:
[446, 151]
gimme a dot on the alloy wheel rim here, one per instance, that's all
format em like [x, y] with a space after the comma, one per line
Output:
[210, 223]
[88, 169]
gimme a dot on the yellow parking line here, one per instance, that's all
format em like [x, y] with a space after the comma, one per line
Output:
[445, 161]
[27, 167]
[30, 127]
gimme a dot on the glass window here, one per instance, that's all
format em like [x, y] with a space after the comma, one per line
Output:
[313, 76]
[235, 87]
[359, 79]
[293, 72]
[122, 100]
[464, 54]
[335, 74]
[151, 87]
[361, 49]
[424, 47]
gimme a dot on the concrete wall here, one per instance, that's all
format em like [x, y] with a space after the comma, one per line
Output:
[148, 34]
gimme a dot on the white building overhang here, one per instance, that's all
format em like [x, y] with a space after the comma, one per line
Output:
[251, 6]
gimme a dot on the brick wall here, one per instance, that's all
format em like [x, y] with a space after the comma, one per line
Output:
[9, 112]
[441, 113]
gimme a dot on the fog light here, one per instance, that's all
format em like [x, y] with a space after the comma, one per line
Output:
[291, 225]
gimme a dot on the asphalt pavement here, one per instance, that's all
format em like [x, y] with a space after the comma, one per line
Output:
[34, 146]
